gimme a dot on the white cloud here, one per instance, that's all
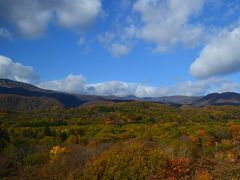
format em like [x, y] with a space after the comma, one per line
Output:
[229, 87]
[32, 17]
[122, 89]
[117, 45]
[119, 50]
[188, 88]
[106, 38]
[16, 71]
[5, 34]
[167, 23]
[129, 32]
[77, 84]
[220, 56]
[78, 13]
[33, 25]
[120, 36]
[71, 84]
[200, 87]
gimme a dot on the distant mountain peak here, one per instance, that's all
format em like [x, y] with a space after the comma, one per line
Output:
[225, 98]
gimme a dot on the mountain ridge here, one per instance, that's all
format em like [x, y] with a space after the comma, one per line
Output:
[32, 97]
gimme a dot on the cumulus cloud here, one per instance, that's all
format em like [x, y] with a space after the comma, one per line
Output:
[220, 56]
[71, 84]
[167, 23]
[78, 13]
[16, 71]
[32, 17]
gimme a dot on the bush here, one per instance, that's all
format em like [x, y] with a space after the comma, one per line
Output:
[225, 145]
[36, 158]
[127, 161]
[48, 141]
[135, 160]
[203, 175]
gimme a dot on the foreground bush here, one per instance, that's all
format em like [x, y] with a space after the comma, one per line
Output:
[135, 160]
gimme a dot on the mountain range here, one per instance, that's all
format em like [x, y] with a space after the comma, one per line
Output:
[26, 97]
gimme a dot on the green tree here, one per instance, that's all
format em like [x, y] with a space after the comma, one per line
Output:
[4, 138]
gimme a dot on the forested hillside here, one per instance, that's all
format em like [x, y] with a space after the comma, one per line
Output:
[132, 140]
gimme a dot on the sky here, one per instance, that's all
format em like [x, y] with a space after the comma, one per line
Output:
[145, 48]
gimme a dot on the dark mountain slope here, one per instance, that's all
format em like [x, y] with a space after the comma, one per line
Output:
[227, 98]
[6, 83]
[22, 89]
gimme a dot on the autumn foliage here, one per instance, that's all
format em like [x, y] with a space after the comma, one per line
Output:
[133, 140]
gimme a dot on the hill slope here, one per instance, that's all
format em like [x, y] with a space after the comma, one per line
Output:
[219, 99]
[9, 87]
[23, 103]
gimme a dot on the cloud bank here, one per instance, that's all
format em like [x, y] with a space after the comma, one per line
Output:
[77, 84]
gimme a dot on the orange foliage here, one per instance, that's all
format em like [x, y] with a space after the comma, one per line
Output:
[201, 133]
[178, 167]
[203, 175]
[235, 131]
[193, 139]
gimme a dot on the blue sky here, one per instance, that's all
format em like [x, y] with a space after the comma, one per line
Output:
[124, 47]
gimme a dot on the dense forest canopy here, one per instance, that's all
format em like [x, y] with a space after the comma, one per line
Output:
[133, 140]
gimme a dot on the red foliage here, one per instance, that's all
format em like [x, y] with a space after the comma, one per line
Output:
[178, 167]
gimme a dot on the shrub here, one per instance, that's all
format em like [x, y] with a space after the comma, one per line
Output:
[135, 160]
[127, 161]
[203, 175]
[36, 158]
